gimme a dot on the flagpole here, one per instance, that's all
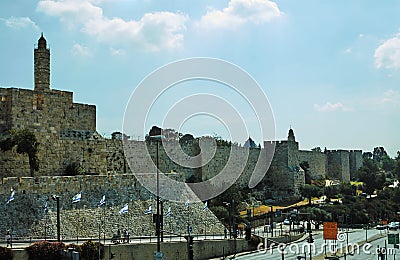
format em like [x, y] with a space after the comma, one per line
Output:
[77, 224]
[104, 224]
[45, 222]
[57, 199]
[126, 229]
[158, 205]
[188, 224]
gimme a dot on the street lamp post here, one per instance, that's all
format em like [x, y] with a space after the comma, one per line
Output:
[158, 206]
[57, 199]
[158, 255]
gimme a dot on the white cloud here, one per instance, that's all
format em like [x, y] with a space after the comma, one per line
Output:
[154, 31]
[80, 50]
[20, 23]
[117, 52]
[387, 55]
[389, 97]
[328, 107]
[239, 12]
[71, 12]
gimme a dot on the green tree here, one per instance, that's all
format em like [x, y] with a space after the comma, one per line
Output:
[308, 191]
[331, 192]
[369, 173]
[367, 155]
[26, 143]
[73, 169]
[397, 165]
[306, 168]
[378, 154]
[347, 189]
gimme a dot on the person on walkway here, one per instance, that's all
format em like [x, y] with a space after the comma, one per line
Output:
[127, 235]
[225, 232]
[8, 238]
[119, 235]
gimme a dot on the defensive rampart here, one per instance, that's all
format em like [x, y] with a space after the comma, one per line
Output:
[25, 215]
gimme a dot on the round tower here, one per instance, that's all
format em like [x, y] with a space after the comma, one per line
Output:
[42, 65]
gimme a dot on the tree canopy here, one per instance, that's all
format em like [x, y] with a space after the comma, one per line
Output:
[26, 143]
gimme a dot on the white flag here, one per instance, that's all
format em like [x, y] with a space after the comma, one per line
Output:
[168, 212]
[11, 198]
[124, 209]
[205, 206]
[77, 197]
[46, 208]
[148, 211]
[102, 201]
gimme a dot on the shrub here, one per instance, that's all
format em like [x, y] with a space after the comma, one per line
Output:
[73, 169]
[6, 253]
[255, 240]
[45, 250]
[90, 250]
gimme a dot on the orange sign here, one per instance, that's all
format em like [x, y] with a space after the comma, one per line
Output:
[384, 222]
[330, 230]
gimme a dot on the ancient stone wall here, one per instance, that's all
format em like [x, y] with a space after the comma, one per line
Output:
[317, 162]
[355, 162]
[54, 156]
[48, 112]
[25, 215]
[338, 165]
[5, 110]
[279, 180]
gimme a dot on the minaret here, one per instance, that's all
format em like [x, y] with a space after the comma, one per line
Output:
[42, 65]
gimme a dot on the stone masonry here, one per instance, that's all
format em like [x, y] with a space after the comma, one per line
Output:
[66, 132]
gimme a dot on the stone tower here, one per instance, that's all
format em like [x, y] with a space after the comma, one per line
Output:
[42, 65]
[291, 135]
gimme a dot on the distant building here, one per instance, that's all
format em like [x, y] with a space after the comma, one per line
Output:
[285, 176]
[250, 143]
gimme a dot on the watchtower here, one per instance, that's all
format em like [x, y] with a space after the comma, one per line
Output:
[42, 65]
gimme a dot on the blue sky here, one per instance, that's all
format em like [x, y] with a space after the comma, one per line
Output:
[330, 69]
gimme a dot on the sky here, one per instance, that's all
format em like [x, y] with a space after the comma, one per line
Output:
[329, 69]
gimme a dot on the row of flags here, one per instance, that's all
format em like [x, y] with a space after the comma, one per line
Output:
[123, 210]
[169, 212]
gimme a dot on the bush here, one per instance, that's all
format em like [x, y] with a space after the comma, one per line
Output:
[6, 253]
[73, 169]
[90, 250]
[45, 250]
[255, 240]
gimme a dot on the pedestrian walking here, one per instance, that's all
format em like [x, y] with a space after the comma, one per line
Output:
[225, 233]
[127, 235]
[8, 238]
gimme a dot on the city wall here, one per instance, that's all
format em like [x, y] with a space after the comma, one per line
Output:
[202, 249]
[338, 165]
[317, 163]
[25, 215]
